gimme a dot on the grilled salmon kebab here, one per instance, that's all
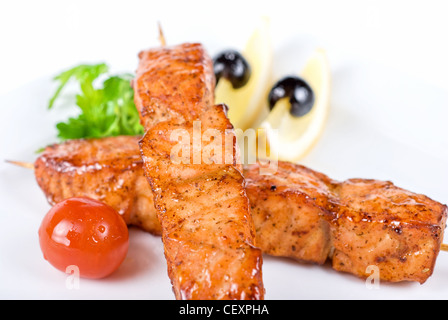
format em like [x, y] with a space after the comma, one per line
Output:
[358, 223]
[297, 212]
[199, 192]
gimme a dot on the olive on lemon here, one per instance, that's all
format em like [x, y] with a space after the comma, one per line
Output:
[231, 65]
[298, 112]
[298, 92]
[247, 104]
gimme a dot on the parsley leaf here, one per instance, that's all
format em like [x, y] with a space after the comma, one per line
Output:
[108, 110]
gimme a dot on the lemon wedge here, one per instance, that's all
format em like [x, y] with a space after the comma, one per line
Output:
[290, 138]
[247, 104]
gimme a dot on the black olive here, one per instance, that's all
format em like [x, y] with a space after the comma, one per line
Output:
[232, 66]
[298, 91]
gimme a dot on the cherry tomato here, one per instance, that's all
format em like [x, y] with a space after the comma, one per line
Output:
[85, 233]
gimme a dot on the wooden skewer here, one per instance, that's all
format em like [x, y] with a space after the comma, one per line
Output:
[28, 165]
[22, 164]
[161, 36]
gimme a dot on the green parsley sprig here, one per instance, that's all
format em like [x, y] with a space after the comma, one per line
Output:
[107, 110]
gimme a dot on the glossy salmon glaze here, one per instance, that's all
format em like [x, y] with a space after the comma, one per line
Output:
[379, 224]
[289, 210]
[200, 198]
[108, 169]
[362, 225]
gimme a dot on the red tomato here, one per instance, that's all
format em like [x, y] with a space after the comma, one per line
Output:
[85, 233]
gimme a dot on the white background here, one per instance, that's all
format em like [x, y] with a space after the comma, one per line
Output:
[43, 37]
[388, 117]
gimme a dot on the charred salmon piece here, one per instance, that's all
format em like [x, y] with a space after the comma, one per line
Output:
[381, 227]
[200, 199]
[289, 210]
[108, 169]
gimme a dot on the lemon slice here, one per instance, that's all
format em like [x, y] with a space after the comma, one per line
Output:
[247, 104]
[290, 138]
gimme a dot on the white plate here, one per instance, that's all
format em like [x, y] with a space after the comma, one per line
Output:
[383, 124]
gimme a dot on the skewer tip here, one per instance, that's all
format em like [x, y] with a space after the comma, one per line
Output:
[161, 35]
[27, 165]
